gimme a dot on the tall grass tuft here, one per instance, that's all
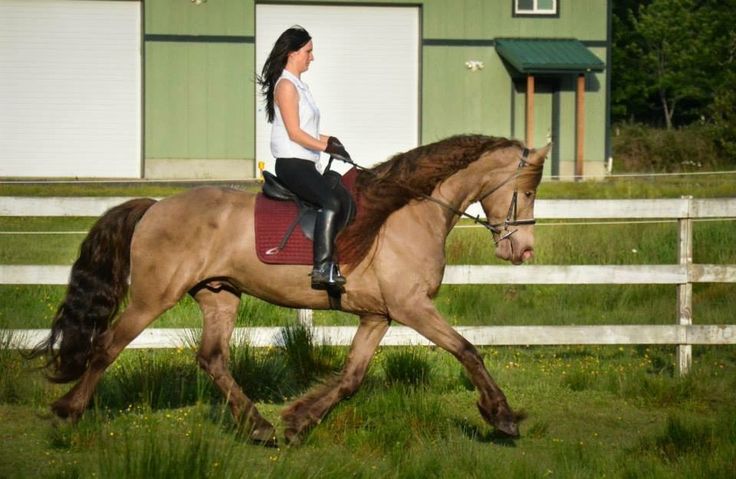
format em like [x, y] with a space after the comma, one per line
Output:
[408, 366]
[655, 389]
[393, 422]
[8, 365]
[682, 436]
[307, 361]
[155, 453]
[578, 380]
[156, 379]
[15, 384]
[689, 444]
[263, 375]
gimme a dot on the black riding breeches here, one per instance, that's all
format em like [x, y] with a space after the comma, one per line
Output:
[301, 177]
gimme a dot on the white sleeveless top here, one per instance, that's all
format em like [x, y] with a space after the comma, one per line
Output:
[281, 145]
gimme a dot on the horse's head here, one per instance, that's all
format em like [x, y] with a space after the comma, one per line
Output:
[509, 202]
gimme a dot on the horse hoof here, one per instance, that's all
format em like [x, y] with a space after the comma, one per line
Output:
[292, 437]
[264, 437]
[64, 412]
[505, 424]
[510, 429]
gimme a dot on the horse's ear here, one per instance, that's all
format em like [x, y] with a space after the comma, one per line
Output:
[540, 154]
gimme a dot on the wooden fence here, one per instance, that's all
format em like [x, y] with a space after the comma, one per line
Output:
[682, 333]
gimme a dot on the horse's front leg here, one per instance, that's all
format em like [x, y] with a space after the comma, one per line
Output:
[309, 410]
[420, 314]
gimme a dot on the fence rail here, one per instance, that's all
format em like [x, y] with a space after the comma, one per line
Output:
[403, 336]
[674, 208]
[471, 274]
[683, 333]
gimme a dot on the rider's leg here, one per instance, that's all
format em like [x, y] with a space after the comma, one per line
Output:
[325, 272]
[302, 178]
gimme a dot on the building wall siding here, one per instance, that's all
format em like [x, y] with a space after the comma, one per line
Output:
[456, 100]
[476, 19]
[199, 102]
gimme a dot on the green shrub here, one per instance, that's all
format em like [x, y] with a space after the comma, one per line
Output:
[639, 148]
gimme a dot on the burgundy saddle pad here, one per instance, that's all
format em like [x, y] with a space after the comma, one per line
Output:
[272, 220]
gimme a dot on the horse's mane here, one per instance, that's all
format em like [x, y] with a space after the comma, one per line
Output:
[392, 184]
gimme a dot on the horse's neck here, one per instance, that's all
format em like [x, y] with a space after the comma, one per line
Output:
[458, 191]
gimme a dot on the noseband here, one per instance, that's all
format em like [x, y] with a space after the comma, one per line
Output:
[502, 229]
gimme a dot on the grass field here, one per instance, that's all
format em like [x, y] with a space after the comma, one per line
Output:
[592, 411]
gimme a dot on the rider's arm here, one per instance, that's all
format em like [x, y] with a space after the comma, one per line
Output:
[287, 100]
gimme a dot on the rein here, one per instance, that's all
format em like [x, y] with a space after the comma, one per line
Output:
[497, 229]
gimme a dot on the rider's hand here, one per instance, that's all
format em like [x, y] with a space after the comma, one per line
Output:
[336, 150]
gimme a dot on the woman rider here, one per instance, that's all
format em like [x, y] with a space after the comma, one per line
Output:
[296, 144]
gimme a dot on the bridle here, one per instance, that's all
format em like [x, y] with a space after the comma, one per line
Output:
[502, 229]
[499, 231]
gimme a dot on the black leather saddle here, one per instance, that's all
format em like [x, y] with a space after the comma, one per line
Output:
[307, 216]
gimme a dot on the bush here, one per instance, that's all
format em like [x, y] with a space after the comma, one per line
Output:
[724, 119]
[639, 148]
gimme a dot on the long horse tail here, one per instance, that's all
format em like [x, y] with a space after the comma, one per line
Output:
[98, 285]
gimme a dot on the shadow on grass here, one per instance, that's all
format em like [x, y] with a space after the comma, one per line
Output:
[485, 436]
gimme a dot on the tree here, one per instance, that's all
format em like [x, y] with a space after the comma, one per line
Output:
[673, 52]
[723, 111]
[674, 57]
[629, 96]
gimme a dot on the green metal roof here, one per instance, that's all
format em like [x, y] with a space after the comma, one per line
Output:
[548, 55]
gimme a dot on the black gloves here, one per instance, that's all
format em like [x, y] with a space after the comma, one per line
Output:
[336, 150]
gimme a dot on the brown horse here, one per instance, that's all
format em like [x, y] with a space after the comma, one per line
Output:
[202, 241]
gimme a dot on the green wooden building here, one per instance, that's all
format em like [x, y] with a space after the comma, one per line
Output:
[166, 88]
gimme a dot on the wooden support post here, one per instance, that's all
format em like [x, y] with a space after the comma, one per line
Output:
[529, 139]
[304, 316]
[685, 291]
[580, 127]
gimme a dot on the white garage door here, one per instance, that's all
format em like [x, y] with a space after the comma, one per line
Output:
[365, 77]
[70, 83]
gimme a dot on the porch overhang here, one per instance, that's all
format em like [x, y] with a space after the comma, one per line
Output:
[533, 57]
[550, 56]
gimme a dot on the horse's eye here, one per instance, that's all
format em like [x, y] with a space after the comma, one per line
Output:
[529, 194]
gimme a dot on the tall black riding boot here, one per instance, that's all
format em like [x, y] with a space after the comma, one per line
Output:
[325, 274]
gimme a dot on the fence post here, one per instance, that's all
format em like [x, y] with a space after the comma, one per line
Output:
[304, 316]
[685, 291]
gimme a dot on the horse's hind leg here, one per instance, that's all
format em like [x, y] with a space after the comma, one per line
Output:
[308, 410]
[219, 309]
[130, 324]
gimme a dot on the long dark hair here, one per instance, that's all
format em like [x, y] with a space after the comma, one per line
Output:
[291, 40]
